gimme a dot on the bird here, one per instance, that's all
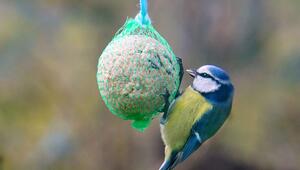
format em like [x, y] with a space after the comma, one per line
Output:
[196, 114]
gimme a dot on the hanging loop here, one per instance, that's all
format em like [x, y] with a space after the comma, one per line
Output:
[143, 16]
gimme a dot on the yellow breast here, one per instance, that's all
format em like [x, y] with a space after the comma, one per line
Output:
[187, 109]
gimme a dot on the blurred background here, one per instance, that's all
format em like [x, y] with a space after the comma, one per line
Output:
[51, 113]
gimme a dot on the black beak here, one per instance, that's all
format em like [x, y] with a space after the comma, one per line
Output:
[192, 72]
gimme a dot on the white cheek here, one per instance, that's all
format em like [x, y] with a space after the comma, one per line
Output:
[205, 84]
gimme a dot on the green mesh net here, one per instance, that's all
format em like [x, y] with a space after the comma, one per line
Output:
[134, 72]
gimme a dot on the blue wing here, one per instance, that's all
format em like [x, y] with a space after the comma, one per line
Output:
[196, 138]
[192, 144]
[204, 128]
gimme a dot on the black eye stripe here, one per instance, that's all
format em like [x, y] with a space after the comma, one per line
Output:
[205, 75]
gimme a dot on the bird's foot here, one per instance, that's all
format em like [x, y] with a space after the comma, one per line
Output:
[166, 96]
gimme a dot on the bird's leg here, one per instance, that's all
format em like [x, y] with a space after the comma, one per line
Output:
[166, 96]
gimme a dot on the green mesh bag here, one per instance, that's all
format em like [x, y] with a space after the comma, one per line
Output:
[134, 72]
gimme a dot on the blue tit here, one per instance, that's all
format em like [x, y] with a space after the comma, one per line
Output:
[196, 115]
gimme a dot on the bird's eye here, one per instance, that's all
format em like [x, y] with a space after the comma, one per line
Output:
[204, 75]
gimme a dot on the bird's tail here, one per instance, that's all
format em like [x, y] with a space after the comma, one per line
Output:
[170, 162]
[174, 157]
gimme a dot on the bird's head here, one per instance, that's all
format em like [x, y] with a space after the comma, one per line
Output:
[212, 81]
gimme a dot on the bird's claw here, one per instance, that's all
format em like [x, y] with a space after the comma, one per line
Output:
[166, 96]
